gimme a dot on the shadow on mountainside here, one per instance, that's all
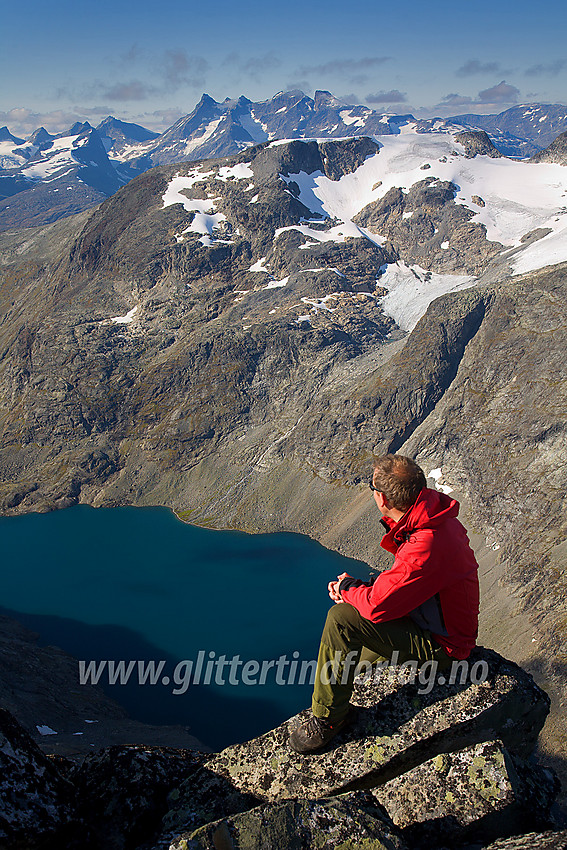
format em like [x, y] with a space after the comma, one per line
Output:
[216, 718]
[551, 675]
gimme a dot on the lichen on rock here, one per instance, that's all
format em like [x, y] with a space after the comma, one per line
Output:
[479, 792]
[395, 728]
[349, 822]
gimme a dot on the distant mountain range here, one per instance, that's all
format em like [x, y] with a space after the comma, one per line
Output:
[49, 176]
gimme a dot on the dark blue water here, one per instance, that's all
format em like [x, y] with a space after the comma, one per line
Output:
[136, 584]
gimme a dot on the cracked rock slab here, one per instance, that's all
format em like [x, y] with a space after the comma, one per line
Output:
[395, 728]
[479, 792]
[533, 841]
[348, 822]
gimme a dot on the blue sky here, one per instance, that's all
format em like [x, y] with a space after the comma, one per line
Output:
[149, 62]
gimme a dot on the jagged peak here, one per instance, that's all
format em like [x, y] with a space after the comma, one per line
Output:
[207, 100]
[6, 136]
[286, 95]
[78, 128]
[325, 98]
[40, 137]
[134, 131]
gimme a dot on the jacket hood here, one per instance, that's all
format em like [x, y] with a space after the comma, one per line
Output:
[430, 510]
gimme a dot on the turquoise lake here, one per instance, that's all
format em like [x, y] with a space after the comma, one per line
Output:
[137, 584]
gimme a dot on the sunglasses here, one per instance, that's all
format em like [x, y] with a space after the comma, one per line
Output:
[372, 487]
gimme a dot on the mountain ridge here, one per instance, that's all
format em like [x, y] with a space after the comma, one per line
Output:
[215, 129]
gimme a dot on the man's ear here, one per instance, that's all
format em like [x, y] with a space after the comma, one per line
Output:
[382, 501]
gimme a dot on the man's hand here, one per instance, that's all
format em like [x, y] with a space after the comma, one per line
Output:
[333, 588]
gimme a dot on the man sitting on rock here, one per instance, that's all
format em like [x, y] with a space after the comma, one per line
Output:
[424, 608]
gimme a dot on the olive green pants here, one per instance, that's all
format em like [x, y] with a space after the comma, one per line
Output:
[348, 639]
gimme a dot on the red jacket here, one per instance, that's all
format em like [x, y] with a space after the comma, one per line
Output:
[434, 577]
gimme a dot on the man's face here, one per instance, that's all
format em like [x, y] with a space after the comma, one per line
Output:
[380, 502]
[378, 498]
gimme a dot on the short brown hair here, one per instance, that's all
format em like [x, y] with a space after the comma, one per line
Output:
[399, 478]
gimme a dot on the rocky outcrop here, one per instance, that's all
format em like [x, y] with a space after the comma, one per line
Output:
[556, 152]
[35, 800]
[204, 797]
[394, 726]
[121, 793]
[477, 143]
[479, 793]
[431, 761]
[341, 823]
[429, 229]
[398, 778]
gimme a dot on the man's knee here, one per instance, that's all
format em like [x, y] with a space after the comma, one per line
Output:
[342, 614]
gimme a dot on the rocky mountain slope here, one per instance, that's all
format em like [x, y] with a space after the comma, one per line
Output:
[269, 321]
[556, 152]
[538, 123]
[117, 135]
[33, 191]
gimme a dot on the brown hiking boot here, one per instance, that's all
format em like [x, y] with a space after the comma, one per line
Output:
[314, 734]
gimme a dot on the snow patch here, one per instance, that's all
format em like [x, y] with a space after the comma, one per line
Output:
[197, 141]
[239, 172]
[9, 155]
[125, 320]
[259, 266]
[437, 476]
[46, 730]
[339, 233]
[348, 118]
[205, 220]
[545, 252]
[411, 290]
[323, 269]
[276, 284]
[320, 303]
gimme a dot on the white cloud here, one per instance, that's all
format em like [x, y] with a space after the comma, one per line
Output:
[22, 122]
[130, 90]
[502, 93]
[551, 69]
[475, 66]
[393, 96]
[343, 66]
[252, 67]
[496, 97]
